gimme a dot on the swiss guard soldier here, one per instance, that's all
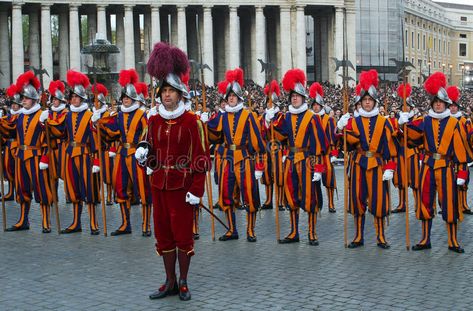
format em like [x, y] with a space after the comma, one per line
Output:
[81, 162]
[372, 167]
[174, 152]
[303, 166]
[242, 141]
[29, 132]
[444, 148]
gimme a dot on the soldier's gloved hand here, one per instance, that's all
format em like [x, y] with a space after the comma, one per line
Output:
[112, 153]
[333, 159]
[460, 181]
[44, 116]
[141, 154]
[284, 158]
[192, 199]
[44, 163]
[270, 113]
[95, 116]
[343, 121]
[152, 112]
[317, 176]
[96, 166]
[258, 174]
[149, 171]
[388, 175]
[403, 118]
[204, 117]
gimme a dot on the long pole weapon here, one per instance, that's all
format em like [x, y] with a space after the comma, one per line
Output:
[388, 182]
[345, 149]
[4, 211]
[273, 164]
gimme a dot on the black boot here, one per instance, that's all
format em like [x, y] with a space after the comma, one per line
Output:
[169, 287]
[184, 292]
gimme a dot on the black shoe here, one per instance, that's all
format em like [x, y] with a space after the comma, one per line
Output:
[184, 292]
[146, 233]
[420, 247]
[69, 230]
[228, 237]
[384, 245]
[313, 242]
[94, 232]
[398, 210]
[439, 212]
[9, 198]
[18, 228]
[456, 249]
[332, 210]
[267, 206]
[196, 236]
[287, 240]
[281, 208]
[355, 244]
[217, 206]
[46, 230]
[120, 232]
[165, 291]
[468, 212]
[109, 203]
[251, 238]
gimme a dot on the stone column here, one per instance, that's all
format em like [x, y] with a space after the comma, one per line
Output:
[91, 26]
[181, 28]
[63, 45]
[5, 51]
[108, 23]
[208, 45]
[301, 58]
[18, 54]
[46, 44]
[148, 45]
[233, 43]
[102, 20]
[155, 25]
[285, 40]
[339, 41]
[74, 37]
[34, 48]
[129, 38]
[351, 41]
[120, 40]
[260, 46]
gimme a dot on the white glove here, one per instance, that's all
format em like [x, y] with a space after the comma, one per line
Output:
[388, 175]
[149, 171]
[152, 112]
[258, 174]
[470, 164]
[204, 117]
[44, 116]
[403, 118]
[460, 181]
[192, 199]
[112, 154]
[270, 113]
[43, 166]
[95, 116]
[333, 159]
[95, 169]
[317, 176]
[343, 121]
[284, 158]
[141, 154]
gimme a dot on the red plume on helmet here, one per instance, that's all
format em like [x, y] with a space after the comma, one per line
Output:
[77, 78]
[292, 77]
[315, 89]
[27, 78]
[222, 87]
[453, 93]
[101, 89]
[274, 88]
[368, 79]
[129, 76]
[166, 59]
[56, 85]
[404, 90]
[358, 89]
[12, 90]
[185, 78]
[235, 75]
[433, 83]
[142, 88]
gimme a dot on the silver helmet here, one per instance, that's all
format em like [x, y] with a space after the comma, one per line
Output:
[372, 92]
[130, 91]
[59, 95]
[443, 96]
[101, 99]
[16, 99]
[234, 87]
[29, 91]
[174, 81]
[79, 90]
[300, 89]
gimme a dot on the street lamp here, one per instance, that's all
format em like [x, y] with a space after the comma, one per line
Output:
[429, 67]
[451, 67]
[443, 67]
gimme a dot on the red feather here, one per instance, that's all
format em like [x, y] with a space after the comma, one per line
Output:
[129, 76]
[185, 78]
[27, 78]
[358, 89]
[76, 78]
[404, 88]
[315, 89]
[274, 88]
[100, 89]
[56, 85]
[222, 87]
[235, 75]
[453, 93]
[435, 82]
[12, 90]
[291, 77]
[369, 78]
[142, 88]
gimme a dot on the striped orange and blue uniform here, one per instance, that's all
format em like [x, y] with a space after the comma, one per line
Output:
[10, 144]
[307, 144]
[372, 140]
[465, 128]
[328, 177]
[129, 178]
[107, 162]
[59, 153]
[443, 150]
[242, 140]
[80, 148]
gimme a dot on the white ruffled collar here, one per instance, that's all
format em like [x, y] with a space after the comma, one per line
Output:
[440, 115]
[32, 110]
[221, 110]
[299, 110]
[367, 114]
[356, 113]
[235, 109]
[61, 107]
[321, 112]
[101, 109]
[188, 105]
[457, 115]
[170, 115]
[13, 112]
[81, 108]
[130, 109]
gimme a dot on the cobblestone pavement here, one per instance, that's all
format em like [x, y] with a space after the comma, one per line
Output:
[80, 272]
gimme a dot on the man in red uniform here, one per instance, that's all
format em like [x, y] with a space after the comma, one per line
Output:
[174, 152]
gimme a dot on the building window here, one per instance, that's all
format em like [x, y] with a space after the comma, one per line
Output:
[406, 39]
[463, 35]
[412, 39]
[435, 44]
[439, 46]
[423, 42]
[418, 41]
[463, 18]
[462, 49]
